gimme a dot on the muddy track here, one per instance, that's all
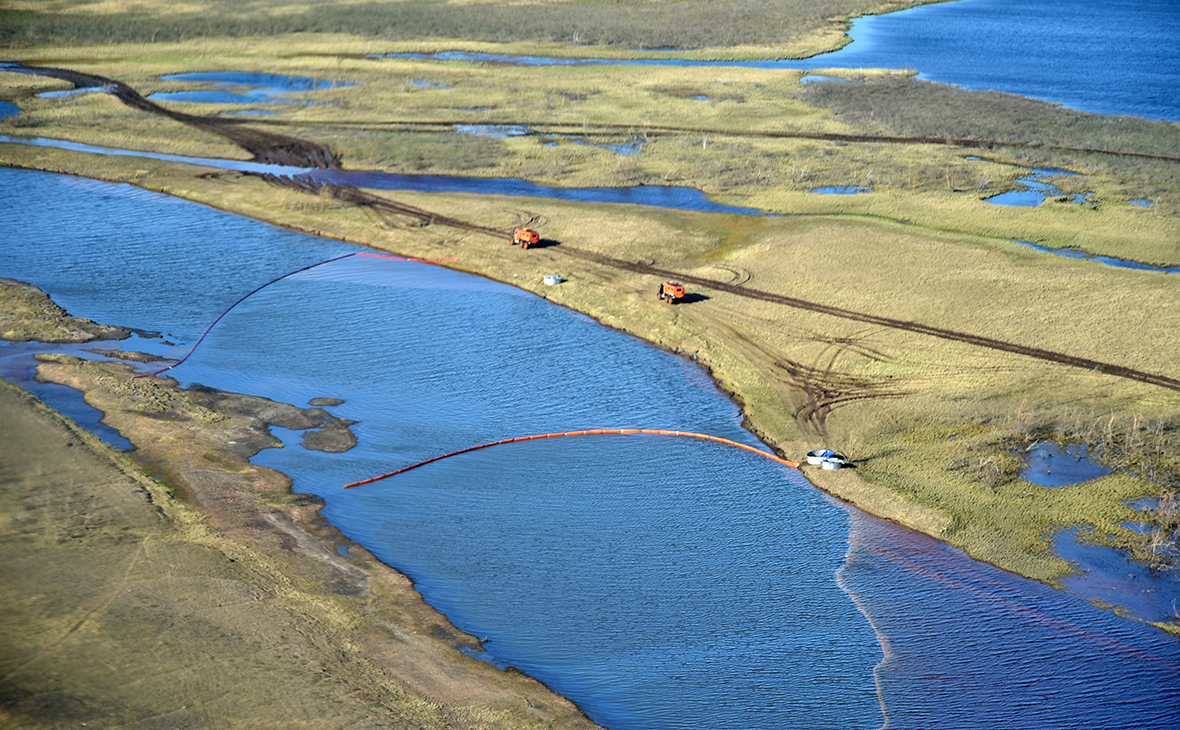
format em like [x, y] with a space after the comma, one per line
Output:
[383, 207]
[879, 321]
[386, 207]
[266, 147]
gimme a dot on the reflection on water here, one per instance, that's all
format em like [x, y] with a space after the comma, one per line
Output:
[1106, 575]
[1054, 465]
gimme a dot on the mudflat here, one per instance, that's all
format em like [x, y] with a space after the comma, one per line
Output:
[123, 604]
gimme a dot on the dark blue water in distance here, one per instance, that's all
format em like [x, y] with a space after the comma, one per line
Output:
[657, 582]
[1101, 56]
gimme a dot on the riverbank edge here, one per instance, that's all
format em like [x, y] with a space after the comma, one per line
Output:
[876, 500]
[312, 571]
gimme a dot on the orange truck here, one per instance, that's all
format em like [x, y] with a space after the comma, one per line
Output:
[671, 292]
[525, 237]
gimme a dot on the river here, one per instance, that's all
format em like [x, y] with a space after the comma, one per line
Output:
[659, 583]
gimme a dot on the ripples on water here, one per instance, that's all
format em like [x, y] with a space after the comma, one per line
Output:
[657, 582]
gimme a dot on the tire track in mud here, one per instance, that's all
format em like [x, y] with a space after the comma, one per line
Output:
[880, 321]
[266, 147]
[385, 207]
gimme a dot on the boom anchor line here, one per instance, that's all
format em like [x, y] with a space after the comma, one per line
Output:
[591, 432]
[229, 309]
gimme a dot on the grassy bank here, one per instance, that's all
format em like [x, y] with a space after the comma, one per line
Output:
[931, 424]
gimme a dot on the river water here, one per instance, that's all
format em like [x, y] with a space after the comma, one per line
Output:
[659, 583]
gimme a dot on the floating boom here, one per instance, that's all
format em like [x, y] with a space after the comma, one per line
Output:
[592, 432]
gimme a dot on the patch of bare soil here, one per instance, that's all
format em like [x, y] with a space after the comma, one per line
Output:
[125, 606]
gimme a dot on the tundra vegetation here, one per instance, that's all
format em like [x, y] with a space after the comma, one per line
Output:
[934, 423]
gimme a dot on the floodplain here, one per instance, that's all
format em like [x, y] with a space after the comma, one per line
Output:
[902, 327]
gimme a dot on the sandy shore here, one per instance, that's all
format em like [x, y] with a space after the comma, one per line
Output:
[180, 585]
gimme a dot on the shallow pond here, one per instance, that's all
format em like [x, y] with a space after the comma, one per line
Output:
[1038, 189]
[841, 190]
[240, 87]
[1108, 576]
[1055, 465]
[607, 567]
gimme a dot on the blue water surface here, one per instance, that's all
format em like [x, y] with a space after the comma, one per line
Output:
[243, 87]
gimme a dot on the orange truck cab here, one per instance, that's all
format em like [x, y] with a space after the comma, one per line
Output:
[525, 237]
[671, 292]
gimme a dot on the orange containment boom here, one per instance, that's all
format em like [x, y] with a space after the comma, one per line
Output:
[594, 432]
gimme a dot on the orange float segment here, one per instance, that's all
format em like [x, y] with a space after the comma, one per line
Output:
[593, 432]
